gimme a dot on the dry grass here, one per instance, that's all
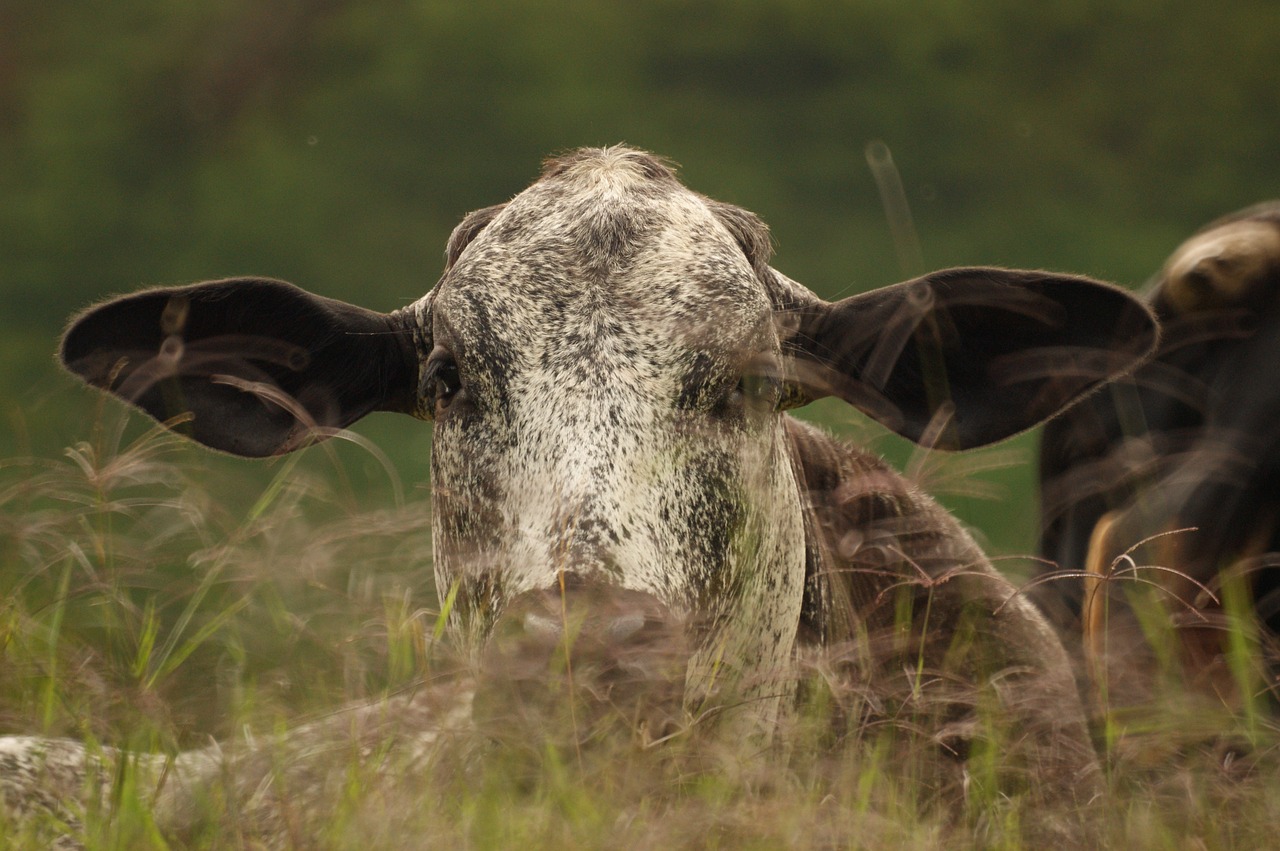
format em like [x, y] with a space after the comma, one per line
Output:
[145, 606]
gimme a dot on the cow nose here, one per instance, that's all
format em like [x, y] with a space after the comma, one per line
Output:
[616, 630]
[597, 623]
[615, 626]
[585, 651]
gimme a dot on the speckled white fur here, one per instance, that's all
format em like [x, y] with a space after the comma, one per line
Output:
[593, 467]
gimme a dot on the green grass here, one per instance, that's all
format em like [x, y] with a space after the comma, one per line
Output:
[151, 599]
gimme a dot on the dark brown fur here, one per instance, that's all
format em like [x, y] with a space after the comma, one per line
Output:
[892, 575]
[1188, 442]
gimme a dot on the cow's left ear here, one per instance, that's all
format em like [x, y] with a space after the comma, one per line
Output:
[261, 366]
[966, 357]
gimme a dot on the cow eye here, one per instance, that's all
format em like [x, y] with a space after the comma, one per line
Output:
[761, 383]
[441, 380]
[753, 391]
[759, 389]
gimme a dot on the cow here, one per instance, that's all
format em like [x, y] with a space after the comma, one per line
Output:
[1178, 465]
[608, 361]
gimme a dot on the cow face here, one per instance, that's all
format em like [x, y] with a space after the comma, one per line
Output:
[603, 369]
[606, 360]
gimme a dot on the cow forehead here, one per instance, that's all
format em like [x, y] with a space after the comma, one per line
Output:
[615, 244]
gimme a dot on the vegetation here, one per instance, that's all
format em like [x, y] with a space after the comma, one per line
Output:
[140, 611]
[152, 595]
[335, 143]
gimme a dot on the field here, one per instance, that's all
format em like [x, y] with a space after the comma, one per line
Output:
[155, 597]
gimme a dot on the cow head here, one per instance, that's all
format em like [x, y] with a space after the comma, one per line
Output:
[606, 361]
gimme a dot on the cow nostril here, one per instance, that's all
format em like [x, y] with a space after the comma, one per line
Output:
[625, 626]
[592, 621]
[542, 626]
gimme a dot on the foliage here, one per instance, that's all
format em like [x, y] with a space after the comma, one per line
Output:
[138, 610]
[133, 593]
[334, 143]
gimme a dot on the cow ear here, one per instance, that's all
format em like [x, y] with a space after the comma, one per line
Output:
[261, 367]
[966, 357]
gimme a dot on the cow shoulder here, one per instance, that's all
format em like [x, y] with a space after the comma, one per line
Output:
[873, 535]
[909, 607]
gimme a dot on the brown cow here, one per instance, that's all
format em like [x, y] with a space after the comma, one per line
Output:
[1188, 442]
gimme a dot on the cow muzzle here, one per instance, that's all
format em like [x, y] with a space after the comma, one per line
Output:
[577, 659]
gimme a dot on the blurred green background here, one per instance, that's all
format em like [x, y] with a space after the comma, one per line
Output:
[334, 143]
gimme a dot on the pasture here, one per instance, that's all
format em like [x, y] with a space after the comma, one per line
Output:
[161, 599]
[157, 596]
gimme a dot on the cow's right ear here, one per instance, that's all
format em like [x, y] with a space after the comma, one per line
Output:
[261, 366]
[964, 357]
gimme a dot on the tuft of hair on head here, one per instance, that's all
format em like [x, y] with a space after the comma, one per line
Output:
[611, 158]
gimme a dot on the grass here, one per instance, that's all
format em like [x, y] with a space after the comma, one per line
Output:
[148, 602]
